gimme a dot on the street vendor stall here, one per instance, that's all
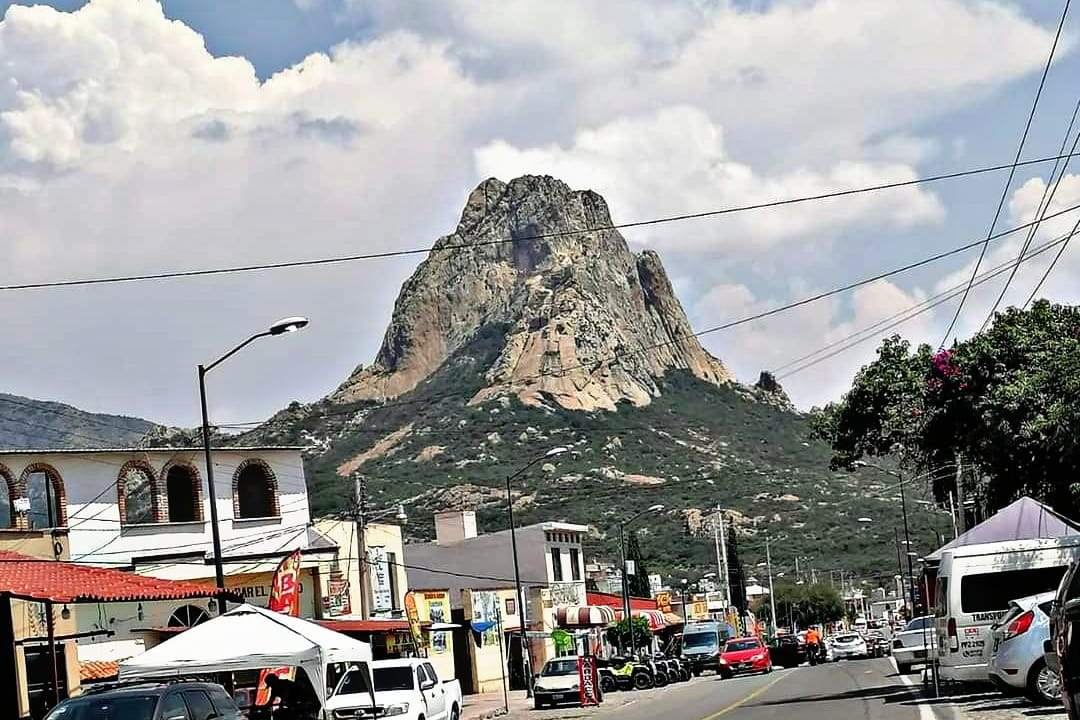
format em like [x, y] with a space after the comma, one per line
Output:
[252, 638]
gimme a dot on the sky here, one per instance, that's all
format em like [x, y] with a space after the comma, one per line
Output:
[139, 137]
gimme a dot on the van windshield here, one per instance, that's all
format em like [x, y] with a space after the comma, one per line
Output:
[700, 641]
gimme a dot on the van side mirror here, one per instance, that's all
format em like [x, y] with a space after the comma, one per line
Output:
[1071, 610]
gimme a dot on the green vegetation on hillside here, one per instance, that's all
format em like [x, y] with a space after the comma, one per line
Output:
[31, 424]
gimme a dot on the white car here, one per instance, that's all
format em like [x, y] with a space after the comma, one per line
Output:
[912, 644]
[849, 645]
[557, 683]
[405, 689]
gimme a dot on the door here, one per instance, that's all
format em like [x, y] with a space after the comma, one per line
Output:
[40, 688]
[434, 693]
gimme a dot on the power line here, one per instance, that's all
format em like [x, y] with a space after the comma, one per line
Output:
[1044, 205]
[1012, 173]
[1050, 268]
[259, 267]
[908, 314]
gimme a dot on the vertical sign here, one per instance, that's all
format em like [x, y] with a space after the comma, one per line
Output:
[285, 599]
[413, 613]
[382, 596]
[586, 666]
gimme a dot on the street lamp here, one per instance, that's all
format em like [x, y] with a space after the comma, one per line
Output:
[517, 569]
[285, 325]
[625, 580]
[683, 588]
[903, 510]
[772, 596]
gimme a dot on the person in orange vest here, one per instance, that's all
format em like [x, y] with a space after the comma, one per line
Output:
[813, 645]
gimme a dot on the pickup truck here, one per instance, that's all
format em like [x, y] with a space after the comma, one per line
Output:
[914, 644]
[406, 689]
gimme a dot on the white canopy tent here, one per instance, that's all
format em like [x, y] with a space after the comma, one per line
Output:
[250, 638]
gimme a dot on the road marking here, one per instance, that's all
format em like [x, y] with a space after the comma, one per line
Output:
[926, 712]
[748, 698]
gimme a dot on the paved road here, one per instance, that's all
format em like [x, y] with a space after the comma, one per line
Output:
[856, 690]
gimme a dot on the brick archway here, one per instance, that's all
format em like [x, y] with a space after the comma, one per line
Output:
[12, 493]
[155, 489]
[168, 502]
[52, 475]
[245, 467]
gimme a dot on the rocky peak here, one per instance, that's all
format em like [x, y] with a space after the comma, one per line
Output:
[585, 321]
[768, 388]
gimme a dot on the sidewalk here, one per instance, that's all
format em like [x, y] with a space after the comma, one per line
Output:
[488, 705]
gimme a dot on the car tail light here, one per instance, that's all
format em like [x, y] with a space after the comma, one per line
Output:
[954, 639]
[1020, 625]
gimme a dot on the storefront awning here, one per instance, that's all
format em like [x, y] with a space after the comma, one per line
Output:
[655, 618]
[584, 616]
[672, 619]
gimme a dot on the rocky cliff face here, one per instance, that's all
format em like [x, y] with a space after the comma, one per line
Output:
[590, 324]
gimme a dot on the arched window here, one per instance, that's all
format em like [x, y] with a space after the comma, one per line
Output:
[183, 494]
[45, 490]
[188, 616]
[7, 496]
[255, 490]
[135, 486]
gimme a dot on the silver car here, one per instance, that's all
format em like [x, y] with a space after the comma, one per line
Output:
[1017, 645]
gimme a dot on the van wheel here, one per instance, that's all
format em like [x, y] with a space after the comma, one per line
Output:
[455, 713]
[903, 668]
[1043, 685]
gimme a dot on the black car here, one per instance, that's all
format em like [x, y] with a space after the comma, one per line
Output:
[180, 700]
[1065, 638]
[786, 650]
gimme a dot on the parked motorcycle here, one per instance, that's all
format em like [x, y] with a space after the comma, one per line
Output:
[678, 669]
[659, 671]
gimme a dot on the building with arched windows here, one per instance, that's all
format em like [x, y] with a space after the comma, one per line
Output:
[147, 511]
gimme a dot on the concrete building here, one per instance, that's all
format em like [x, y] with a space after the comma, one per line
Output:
[385, 579]
[551, 567]
[147, 511]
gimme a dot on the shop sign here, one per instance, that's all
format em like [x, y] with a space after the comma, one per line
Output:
[382, 595]
[587, 681]
[663, 601]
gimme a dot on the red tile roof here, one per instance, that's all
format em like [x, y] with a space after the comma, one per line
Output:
[611, 600]
[365, 626]
[22, 576]
[98, 670]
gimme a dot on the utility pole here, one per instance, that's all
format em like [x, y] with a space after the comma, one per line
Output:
[723, 551]
[899, 563]
[360, 488]
[952, 514]
[960, 493]
[772, 595]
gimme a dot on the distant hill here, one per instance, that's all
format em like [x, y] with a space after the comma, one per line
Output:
[31, 424]
[561, 336]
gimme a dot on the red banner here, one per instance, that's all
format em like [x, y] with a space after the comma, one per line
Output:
[587, 680]
[285, 599]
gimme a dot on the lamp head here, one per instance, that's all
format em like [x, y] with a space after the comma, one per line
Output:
[288, 325]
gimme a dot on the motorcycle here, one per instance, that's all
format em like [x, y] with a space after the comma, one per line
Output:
[678, 670]
[659, 671]
[815, 653]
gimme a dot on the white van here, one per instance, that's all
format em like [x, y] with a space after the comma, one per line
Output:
[974, 586]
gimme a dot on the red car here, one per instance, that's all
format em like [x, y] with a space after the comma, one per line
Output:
[744, 655]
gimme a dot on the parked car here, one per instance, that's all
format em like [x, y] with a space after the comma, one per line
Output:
[150, 701]
[787, 651]
[1017, 661]
[744, 655]
[407, 689]
[974, 586]
[557, 683]
[849, 645]
[914, 643]
[1065, 636]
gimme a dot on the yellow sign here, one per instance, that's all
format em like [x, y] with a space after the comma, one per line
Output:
[663, 602]
[699, 611]
[413, 614]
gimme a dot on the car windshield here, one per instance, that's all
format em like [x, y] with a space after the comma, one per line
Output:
[117, 707]
[391, 678]
[354, 682]
[738, 645]
[560, 667]
[699, 641]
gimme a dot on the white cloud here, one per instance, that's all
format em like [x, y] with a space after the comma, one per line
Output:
[675, 162]
[126, 146]
[780, 342]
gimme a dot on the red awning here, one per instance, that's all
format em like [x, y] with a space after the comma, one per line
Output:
[28, 578]
[585, 616]
[348, 625]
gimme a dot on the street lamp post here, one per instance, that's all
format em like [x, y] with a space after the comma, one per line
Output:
[683, 589]
[524, 638]
[286, 325]
[625, 580]
[910, 594]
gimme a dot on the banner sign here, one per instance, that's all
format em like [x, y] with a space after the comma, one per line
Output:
[413, 613]
[587, 681]
[382, 594]
[285, 599]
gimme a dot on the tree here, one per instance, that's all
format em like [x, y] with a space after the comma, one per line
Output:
[619, 634]
[1004, 403]
[736, 579]
[805, 605]
[639, 581]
